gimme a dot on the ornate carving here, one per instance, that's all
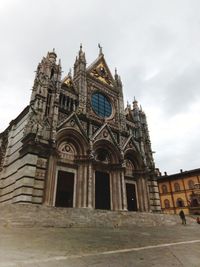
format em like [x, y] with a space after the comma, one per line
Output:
[102, 155]
[94, 129]
[69, 82]
[72, 123]
[42, 163]
[101, 74]
[61, 117]
[129, 167]
[84, 125]
[105, 133]
[66, 151]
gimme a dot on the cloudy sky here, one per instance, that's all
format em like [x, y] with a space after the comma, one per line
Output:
[155, 46]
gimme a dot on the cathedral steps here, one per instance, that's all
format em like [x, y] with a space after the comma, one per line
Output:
[25, 215]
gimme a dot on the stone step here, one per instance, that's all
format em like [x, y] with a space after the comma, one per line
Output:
[28, 215]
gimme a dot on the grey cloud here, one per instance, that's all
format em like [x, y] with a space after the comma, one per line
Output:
[175, 156]
[154, 44]
[183, 90]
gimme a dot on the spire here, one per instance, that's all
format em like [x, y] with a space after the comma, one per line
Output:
[81, 54]
[80, 50]
[118, 79]
[135, 111]
[80, 62]
[135, 103]
[76, 61]
[52, 56]
[116, 75]
[128, 105]
[100, 50]
[70, 73]
[127, 109]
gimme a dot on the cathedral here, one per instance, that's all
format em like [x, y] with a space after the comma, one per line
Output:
[75, 145]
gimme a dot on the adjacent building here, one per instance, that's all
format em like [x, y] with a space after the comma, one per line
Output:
[75, 145]
[180, 191]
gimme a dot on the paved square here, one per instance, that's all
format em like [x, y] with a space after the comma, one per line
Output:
[100, 247]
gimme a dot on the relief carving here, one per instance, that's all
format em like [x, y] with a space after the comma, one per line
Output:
[101, 73]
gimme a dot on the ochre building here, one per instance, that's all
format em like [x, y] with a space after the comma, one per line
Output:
[180, 191]
[75, 145]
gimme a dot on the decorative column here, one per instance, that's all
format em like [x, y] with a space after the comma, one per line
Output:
[90, 185]
[50, 183]
[85, 185]
[146, 195]
[141, 194]
[78, 187]
[119, 190]
[123, 190]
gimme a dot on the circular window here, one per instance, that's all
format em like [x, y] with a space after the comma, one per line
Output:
[101, 105]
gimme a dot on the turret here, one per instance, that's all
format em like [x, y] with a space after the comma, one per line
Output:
[80, 62]
[80, 79]
[119, 88]
[135, 111]
[44, 98]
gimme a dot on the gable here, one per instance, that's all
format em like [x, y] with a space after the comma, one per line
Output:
[131, 144]
[100, 71]
[73, 122]
[105, 133]
[67, 83]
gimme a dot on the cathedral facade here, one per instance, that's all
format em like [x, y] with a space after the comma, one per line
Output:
[75, 145]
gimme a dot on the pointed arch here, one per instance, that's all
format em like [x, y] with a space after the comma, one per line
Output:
[113, 153]
[73, 137]
[134, 157]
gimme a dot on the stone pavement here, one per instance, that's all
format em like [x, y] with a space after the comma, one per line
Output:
[43, 216]
[145, 246]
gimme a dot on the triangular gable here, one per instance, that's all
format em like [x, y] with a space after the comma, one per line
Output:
[68, 83]
[131, 144]
[100, 71]
[105, 133]
[73, 122]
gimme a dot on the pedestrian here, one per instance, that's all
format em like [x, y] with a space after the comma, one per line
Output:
[182, 216]
[198, 220]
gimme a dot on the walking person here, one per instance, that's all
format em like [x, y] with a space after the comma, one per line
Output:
[182, 216]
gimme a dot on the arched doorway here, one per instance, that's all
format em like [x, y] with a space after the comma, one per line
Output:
[66, 181]
[131, 186]
[107, 187]
[65, 175]
[133, 179]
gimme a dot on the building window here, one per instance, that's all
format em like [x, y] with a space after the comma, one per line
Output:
[166, 203]
[176, 187]
[179, 203]
[164, 189]
[191, 184]
[101, 105]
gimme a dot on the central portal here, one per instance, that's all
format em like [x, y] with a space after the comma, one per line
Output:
[102, 190]
[65, 189]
